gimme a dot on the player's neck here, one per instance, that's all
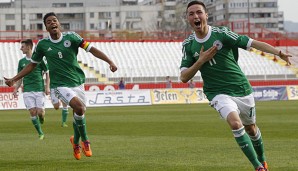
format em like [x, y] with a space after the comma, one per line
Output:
[203, 33]
[29, 54]
[55, 36]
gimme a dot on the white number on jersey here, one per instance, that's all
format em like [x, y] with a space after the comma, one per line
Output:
[60, 55]
[212, 62]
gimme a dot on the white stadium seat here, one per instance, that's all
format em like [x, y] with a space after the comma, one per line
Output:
[141, 59]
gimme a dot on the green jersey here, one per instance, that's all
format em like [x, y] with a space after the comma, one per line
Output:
[61, 56]
[33, 82]
[222, 74]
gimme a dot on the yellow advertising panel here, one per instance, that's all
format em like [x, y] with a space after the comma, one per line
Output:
[178, 96]
[292, 92]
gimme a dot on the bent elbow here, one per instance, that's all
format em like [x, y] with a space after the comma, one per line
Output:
[183, 79]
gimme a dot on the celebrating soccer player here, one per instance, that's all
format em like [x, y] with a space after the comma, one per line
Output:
[214, 52]
[67, 78]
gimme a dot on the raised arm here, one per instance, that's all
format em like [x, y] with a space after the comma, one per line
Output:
[265, 47]
[11, 81]
[99, 54]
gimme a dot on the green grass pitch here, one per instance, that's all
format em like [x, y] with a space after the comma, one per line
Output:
[148, 138]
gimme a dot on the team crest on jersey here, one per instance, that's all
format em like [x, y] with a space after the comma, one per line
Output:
[67, 43]
[218, 44]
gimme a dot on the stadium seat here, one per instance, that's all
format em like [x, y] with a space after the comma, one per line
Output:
[143, 60]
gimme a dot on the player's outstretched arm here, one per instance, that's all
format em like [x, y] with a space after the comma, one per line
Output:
[99, 54]
[265, 47]
[11, 81]
[16, 88]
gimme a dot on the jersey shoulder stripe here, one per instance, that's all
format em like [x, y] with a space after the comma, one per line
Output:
[72, 33]
[225, 31]
[77, 35]
[45, 39]
[189, 39]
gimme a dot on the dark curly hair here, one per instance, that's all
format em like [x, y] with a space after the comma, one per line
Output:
[48, 15]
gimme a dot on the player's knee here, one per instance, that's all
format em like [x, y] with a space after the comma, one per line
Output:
[78, 106]
[80, 110]
[33, 112]
[56, 106]
[236, 125]
[39, 111]
[251, 129]
[234, 121]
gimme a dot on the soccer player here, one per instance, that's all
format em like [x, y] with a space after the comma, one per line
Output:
[214, 52]
[34, 88]
[67, 78]
[57, 103]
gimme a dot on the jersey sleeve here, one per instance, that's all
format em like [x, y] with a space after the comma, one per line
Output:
[38, 54]
[81, 42]
[234, 39]
[187, 59]
[44, 65]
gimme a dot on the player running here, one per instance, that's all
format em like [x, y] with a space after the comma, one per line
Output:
[67, 78]
[34, 89]
[214, 52]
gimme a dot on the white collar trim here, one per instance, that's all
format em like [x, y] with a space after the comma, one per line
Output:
[58, 40]
[205, 38]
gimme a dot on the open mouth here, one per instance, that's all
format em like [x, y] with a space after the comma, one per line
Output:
[54, 27]
[197, 23]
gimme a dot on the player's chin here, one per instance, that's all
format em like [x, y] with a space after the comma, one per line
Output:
[53, 31]
[196, 28]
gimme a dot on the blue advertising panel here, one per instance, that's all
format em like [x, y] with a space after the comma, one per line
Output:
[270, 93]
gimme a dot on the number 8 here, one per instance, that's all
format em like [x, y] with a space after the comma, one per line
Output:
[60, 55]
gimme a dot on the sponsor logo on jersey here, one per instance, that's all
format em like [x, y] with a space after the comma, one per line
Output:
[196, 54]
[218, 44]
[67, 43]
[49, 49]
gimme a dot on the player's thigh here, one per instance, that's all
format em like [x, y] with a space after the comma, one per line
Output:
[29, 100]
[247, 109]
[40, 99]
[54, 98]
[66, 94]
[80, 91]
[224, 105]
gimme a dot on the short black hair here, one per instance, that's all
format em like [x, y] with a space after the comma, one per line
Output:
[48, 15]
[198, 3]
[28, 42]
